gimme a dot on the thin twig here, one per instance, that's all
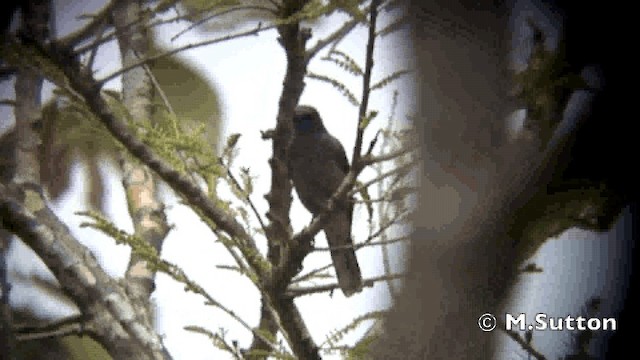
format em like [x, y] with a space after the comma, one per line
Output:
[517, 338]
[7, 102]
[88, 30]
[247, 198]
[221, 13]
[363, 244]
[123, 70]
[211, 301]
[301, 291]
[167, 104]
[398, 218]
[128, 26]
[383, 207]
[336, 36]
[366, 83]
[399, 170]
[369, 160]
[311, 274]
[94, 51]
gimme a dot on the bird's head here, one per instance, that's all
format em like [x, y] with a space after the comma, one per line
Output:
[306, 120]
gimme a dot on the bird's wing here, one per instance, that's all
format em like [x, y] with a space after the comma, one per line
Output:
[339, 155]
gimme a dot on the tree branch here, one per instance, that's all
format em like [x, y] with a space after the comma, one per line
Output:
[364, 244]
[336, 36]
[400, 170]
[221, 13]
[293, 40]
[89, 89]
[123, 331]
[370, 160]
[366, 83]
[124, 69]
[100, 19]
[302, 291]
[247, 198]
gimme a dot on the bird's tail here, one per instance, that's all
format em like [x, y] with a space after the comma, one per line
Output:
[338, 231]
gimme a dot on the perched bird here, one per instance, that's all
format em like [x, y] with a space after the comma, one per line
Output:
[317, 166]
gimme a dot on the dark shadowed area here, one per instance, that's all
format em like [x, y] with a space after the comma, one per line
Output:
[464, 266]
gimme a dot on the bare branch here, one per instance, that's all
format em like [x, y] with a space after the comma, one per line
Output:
[247, 198]
[94, 51]
[311, 274]
[95, 26]
[254, 31]
[364, 244]
[301, 291]
[336, 36]
[397, 219]
[370, 160]
[400, 170]
[366, 83]
[394, 26]
[221, 13]
[517, 338]
[293, 40]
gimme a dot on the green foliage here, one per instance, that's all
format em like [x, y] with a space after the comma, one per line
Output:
[388, 79]
[218, 339]
[204, 5]
[84, 347]
[336, 336]
[545, 86]
[147, 252]
[350, 7]
[578, 203]
[194, 100]
[314, 9]
[344, 61]
[19, 55]
[361, 350]
[364, 122]
[72, 133]
[394, 26]
[138, 245]
[338, 85]
[366, 197]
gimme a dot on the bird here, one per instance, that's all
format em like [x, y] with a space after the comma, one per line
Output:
[317, 166]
